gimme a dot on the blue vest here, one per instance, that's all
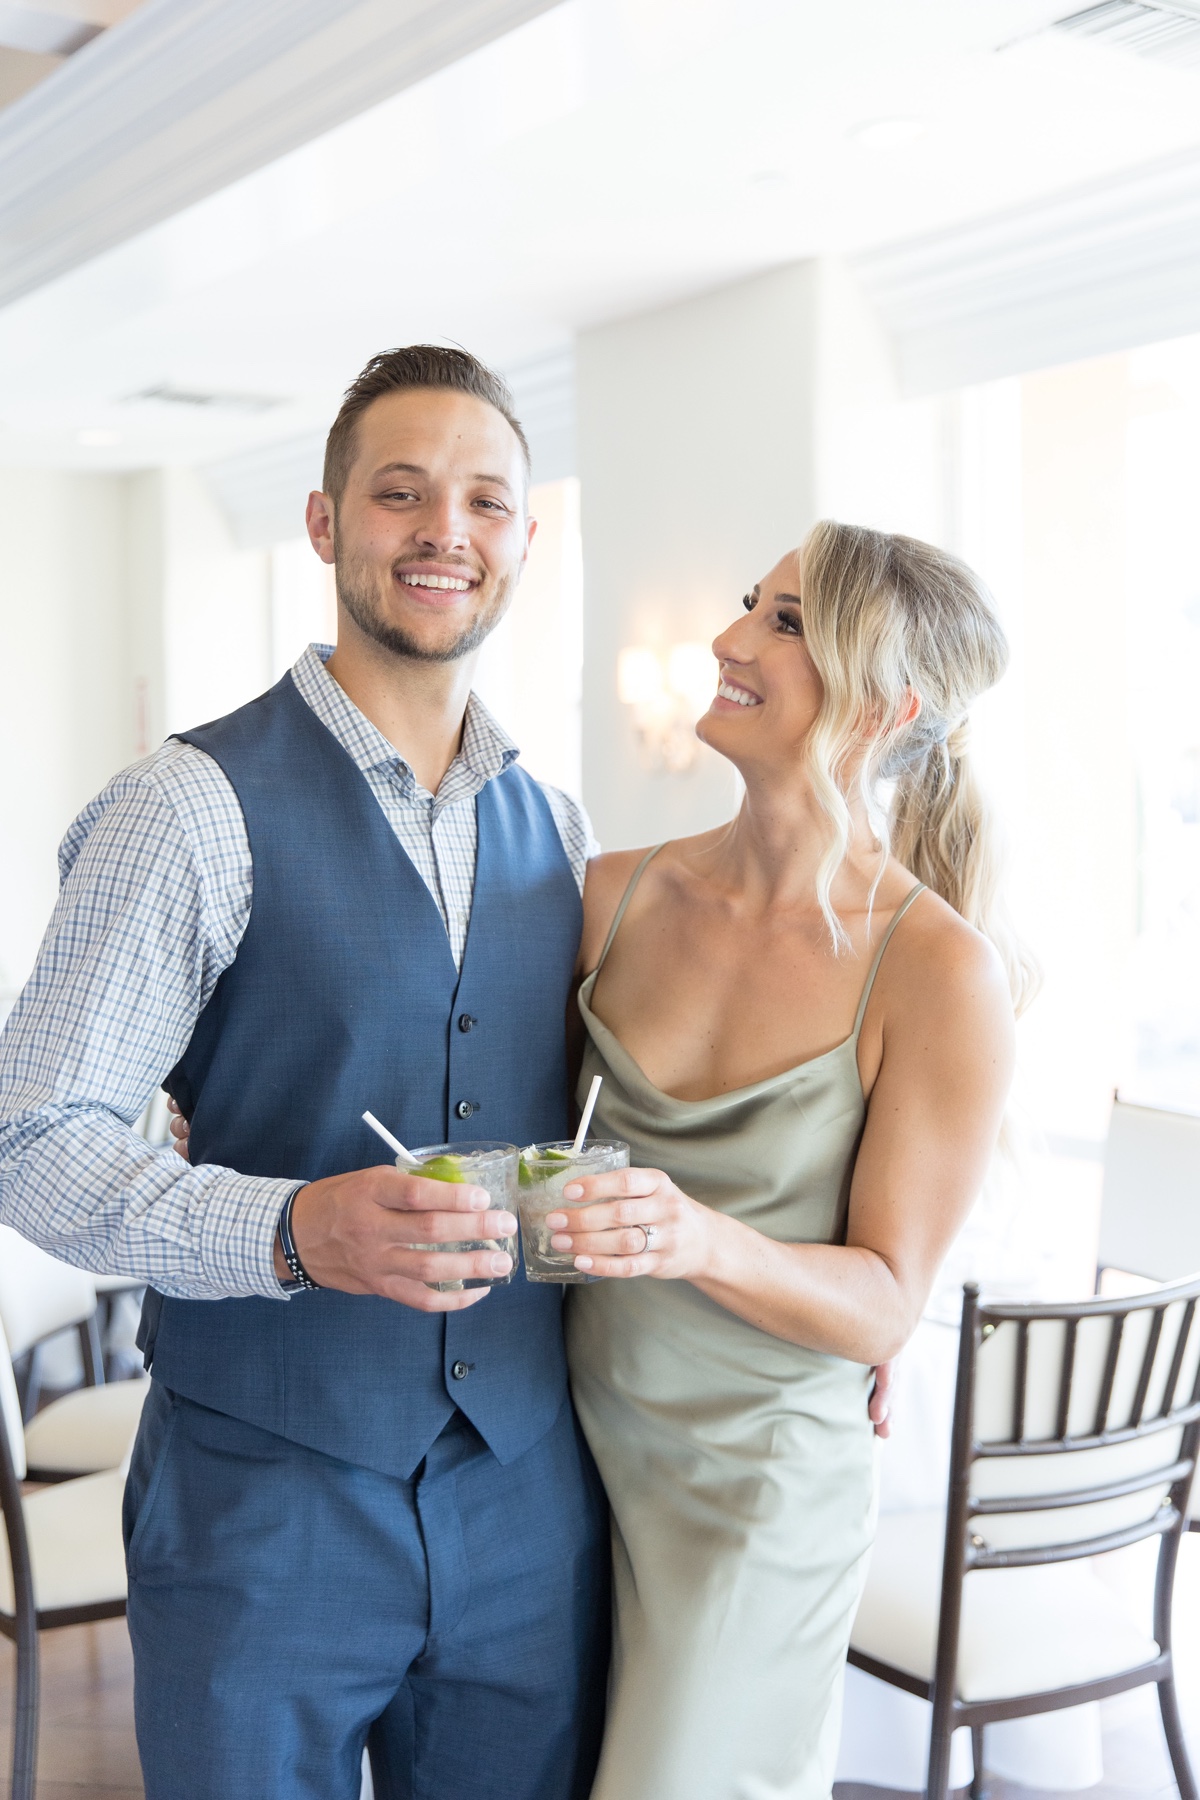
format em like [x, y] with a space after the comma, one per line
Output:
[343, 996]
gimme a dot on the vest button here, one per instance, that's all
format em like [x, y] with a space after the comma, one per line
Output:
[465, 1108]
[466, 1022]
[459, 1371]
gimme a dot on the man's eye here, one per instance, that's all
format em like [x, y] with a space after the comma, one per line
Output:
[749, 601]
[493, 505]
[398, 494]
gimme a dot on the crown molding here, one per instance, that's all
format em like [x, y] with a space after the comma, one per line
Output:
[1101, 268]
[186, 96]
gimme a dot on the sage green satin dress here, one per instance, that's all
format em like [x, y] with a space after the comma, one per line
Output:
[740, 1469]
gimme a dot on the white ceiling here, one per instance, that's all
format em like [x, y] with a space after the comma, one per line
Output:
[607, 156]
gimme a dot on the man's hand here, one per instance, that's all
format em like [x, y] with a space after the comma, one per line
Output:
[357, 1232]
[879, 1407]
[371, 1232]
[180, 1129]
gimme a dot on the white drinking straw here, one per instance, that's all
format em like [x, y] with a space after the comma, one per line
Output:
[589, 1109]
[393, 1143]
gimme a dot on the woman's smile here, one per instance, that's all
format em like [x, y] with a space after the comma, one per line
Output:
[732, 694]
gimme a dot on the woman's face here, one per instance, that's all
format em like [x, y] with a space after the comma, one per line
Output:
[769, 692]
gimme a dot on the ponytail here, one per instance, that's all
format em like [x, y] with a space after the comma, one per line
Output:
[943, 829]
[887, 618]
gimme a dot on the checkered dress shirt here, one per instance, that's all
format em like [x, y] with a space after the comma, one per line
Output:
[156, 888]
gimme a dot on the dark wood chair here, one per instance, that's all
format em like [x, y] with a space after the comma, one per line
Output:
[1076, 1431]
[63, 1563]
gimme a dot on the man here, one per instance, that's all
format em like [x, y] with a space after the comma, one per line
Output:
[359, 1508]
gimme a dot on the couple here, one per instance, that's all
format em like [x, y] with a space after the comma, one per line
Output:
[363, 1510]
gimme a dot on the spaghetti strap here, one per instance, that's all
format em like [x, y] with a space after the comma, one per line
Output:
[626, 897]
[887, 938]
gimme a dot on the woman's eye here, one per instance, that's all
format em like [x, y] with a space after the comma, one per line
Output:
[749, 601]
[789, 624]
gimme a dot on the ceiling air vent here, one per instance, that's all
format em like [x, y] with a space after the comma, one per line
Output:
[1164, 30]
[201, 400]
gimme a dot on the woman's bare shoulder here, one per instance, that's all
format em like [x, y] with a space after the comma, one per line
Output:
[938, 963]
[608, 875]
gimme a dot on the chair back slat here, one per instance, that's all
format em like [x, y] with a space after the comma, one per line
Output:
[1021, 1377]
[1104, 1398]
[1171, 1383]
[1066, 1375]
[1153, 1340]
[1083, 1427]
[10, 1411]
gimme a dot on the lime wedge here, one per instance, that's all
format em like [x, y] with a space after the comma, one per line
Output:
[443, 1168]
[524, 1178]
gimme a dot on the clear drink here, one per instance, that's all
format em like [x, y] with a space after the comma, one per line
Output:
[490, 1166]
[545, 1170]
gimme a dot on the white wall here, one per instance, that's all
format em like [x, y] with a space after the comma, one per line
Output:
[712, 434]
[696, 460]
[66, 703]
[530, 674]
[126, 612]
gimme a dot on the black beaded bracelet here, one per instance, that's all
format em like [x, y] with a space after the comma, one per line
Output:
[291, 1256]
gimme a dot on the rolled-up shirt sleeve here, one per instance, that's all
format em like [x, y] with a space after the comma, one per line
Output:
[155, 896]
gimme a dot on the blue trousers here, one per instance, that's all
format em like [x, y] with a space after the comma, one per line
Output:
[286, 1608]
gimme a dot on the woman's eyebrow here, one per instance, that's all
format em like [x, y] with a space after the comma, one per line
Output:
[793, 598]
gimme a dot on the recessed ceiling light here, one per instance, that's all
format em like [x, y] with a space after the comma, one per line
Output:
[97, 437]
[887, 134]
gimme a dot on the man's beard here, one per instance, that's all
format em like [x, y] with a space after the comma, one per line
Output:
[363, 605]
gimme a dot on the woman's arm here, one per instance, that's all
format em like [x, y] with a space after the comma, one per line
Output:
[932, 1121]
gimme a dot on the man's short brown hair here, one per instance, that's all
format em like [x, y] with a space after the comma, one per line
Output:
[396, 371]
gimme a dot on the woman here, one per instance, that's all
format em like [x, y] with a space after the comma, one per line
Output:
[809, 1119]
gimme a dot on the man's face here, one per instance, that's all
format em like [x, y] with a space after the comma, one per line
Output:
[431, 533]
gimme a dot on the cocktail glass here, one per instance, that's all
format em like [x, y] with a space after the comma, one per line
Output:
[545, 1170]
[490, 1166]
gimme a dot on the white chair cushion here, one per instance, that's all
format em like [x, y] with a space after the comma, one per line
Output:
[38, 1294]
[1024, 1631]
[86, 1430]
[75, 1546]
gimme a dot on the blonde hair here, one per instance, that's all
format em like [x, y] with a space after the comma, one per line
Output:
[886, 617]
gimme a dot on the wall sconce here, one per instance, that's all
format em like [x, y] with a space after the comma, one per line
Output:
[668, 690]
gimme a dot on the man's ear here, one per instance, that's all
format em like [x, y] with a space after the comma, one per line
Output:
[530, 534]
[319, 518]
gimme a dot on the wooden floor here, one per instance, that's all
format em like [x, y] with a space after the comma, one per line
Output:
[86, 1741]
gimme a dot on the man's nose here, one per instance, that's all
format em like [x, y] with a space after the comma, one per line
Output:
[445, 525]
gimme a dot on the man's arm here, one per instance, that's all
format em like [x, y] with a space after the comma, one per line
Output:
[154, 901]
[156, 895]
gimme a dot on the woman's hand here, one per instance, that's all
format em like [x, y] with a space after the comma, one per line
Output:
[180, 1129]
[635, 1222]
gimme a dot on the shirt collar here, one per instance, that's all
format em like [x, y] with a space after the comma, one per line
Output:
[486, 751]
